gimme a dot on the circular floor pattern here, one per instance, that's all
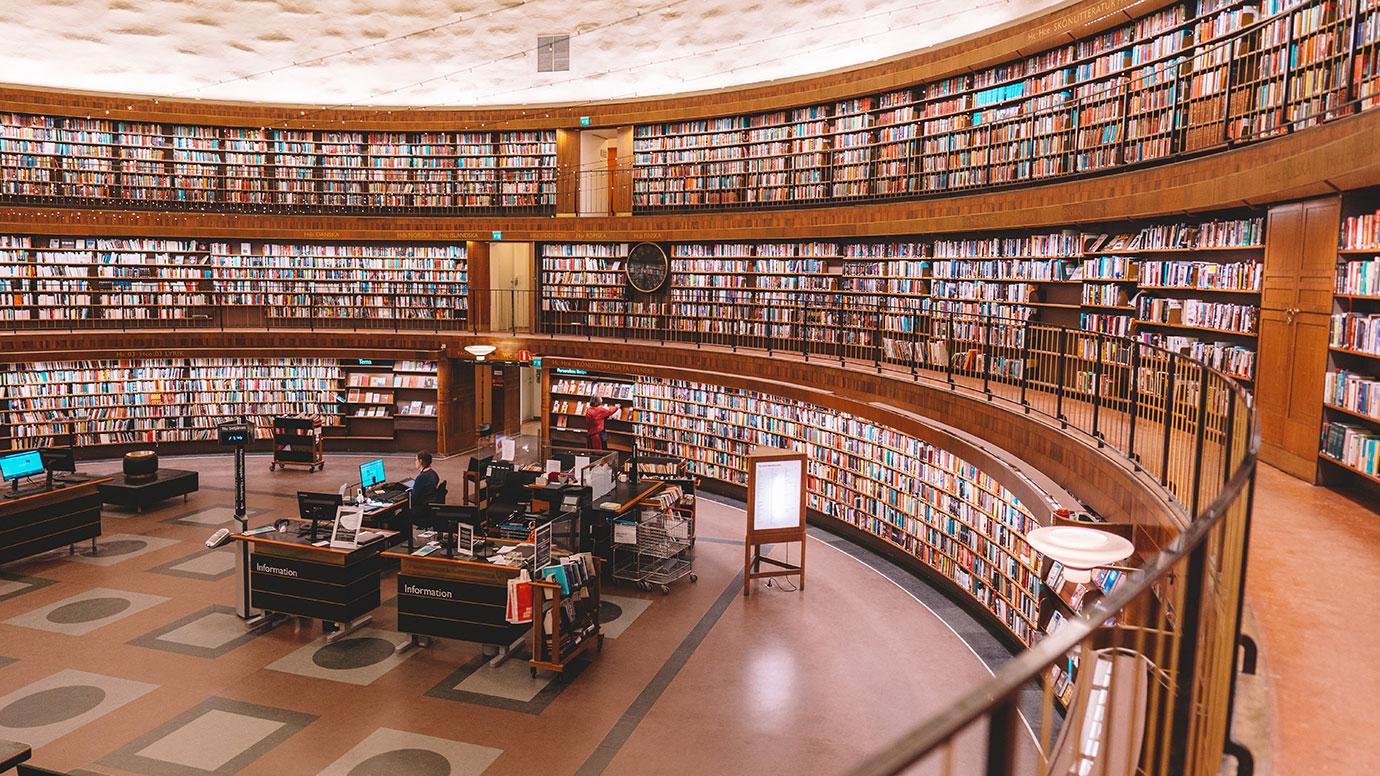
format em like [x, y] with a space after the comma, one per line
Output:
[117, 547]
[353, 653]
[413, 762]
[48, 707]
[88, 610]
[609, 611]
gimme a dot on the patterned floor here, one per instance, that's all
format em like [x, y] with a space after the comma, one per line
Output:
[131, 660]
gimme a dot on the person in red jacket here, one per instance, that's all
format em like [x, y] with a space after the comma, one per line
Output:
[595, 415]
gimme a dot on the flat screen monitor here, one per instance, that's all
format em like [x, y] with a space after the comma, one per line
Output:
[481, 465]
[318, 506]
[58, 459]
[452, 514]
[19, 465]
[371, 473]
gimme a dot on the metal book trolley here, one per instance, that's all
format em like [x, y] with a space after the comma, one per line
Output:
[657, 549]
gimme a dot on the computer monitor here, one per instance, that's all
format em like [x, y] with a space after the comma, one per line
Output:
[481, 465]
[371, 473]
[317, 507]
[58, 459]
[16, 466]
[447, 516]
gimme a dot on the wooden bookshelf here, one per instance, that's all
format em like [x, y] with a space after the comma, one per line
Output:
[894, 300]
[1351, 391]
[125, 281]
[1191, 76]
[568, 395]
[914, 496]
[55, 160]
[177, 403]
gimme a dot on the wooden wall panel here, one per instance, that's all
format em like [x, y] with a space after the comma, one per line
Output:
[1296, 307]
[567, 172]
[477, 262]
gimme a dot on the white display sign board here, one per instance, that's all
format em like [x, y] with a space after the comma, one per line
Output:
[345, 533]
[776, 494]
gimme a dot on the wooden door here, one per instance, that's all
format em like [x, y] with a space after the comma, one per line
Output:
[1295, 314]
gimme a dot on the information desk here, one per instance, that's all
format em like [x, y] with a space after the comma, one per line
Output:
[456, 598]
[50, 519]
[288, 574]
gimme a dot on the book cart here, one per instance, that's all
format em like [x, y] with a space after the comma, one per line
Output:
[657, 549]
[297, 442]
[574, 626]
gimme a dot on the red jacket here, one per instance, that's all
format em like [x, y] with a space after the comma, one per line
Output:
[595, 417]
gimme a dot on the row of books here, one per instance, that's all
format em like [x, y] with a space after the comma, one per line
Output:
[1197, 313]
[1352, 444]
[1232, 358]
[1354, 391]
[1355, 331]
[1362, 232]
[137, 399]
[1128, 99]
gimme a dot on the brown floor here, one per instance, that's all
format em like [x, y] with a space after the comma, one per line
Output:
[1314, 586]
[780, 682]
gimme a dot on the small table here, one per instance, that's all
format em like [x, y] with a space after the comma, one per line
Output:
[165, 484]
[13, 753]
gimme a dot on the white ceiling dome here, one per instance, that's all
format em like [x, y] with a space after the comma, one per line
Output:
[460, 52]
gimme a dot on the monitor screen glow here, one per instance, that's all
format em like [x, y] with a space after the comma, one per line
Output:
[17, 465]
[371, 473]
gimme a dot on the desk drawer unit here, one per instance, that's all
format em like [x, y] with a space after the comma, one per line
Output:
[30, 526]
[338, 591]
[430, 606]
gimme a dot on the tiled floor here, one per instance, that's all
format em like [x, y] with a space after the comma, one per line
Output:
[131, 661]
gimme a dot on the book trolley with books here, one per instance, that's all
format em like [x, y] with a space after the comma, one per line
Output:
[297, 441]
[655, 548]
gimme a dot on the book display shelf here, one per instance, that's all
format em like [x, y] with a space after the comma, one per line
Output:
[579, 280]
[1192, 76]
[919, 499]
[109, 406]
[1351, 395]
[569, 395]
[1190, 287]
[196, 282]
[84, 161]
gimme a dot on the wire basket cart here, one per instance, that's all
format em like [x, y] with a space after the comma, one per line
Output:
[658, 549]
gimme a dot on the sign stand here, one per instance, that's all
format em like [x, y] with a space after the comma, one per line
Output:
[775, 513]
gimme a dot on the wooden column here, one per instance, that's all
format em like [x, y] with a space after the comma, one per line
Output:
[507, 399]
[620, 199]
[1295, 314]
[455, 405]
[568, 178]
[477, 254]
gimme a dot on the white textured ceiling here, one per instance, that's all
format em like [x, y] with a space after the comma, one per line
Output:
[459, 52]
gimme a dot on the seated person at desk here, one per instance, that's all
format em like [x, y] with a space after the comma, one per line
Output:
[595, 415]
[423, 487]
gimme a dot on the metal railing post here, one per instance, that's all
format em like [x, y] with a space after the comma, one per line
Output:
[1135, 404]
[1170, 388]
[1097, 388]
[1059, 381]
[1025, 363]
[949, 348]
[1002, 735]
[987, 356]
[1201, 435]
[1185, 678]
